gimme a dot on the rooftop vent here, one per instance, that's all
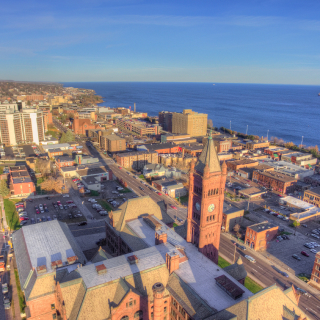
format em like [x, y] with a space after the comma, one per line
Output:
[42, 269]
[133, 259]
[101, 269]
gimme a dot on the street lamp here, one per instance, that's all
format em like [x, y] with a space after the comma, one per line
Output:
[301, 142]
[267, 135]
[247, 131]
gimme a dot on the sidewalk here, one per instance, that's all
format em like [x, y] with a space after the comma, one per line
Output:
[15, 308]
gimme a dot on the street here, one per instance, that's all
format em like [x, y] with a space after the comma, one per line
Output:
[263, 273]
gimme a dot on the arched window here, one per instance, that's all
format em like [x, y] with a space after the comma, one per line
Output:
[138, 314]
[125, 318]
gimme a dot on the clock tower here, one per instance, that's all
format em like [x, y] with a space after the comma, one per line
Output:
[206, 194]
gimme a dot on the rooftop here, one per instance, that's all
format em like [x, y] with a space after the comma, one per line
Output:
[54, 146]
[198, 271]
[137, 153]
[297, 202]
[63, 158]
[278, 176]
[262, 226]
[21, 180]
[315, 191]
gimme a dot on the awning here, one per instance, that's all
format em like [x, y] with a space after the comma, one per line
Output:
[275, 155]
[309, 165]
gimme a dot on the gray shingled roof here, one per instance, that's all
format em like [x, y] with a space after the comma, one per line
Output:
[237, 270]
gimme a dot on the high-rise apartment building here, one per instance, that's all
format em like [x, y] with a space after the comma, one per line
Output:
[165, 120]
[190, 122]
[21, 125]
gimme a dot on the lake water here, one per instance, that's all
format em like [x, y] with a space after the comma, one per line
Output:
[287, 111]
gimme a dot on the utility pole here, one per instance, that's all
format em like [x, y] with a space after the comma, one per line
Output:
[301, 142]
[247, 131]
[230, 125]
[267, 135]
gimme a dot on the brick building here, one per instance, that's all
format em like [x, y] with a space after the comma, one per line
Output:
[276, 181]
[238, 164]
[160, 148]
[252, 145]
[230, 217]
[221, 144]
[153, 282]
[206, 195]
[20, 183]
[312, 196]
[315, 274]
[55, 152]
[141, 128]
[259, 235]
[112, 143]
[64, 161]
[165, 120]
[81, 126]
[136, 160]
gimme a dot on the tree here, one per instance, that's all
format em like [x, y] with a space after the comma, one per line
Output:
[42, 166]
[296, 223]
[67, 137]
[236, 228]
[210, 123]
[52, 185]
[4, 190]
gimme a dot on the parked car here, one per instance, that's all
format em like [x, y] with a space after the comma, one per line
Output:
[54, 217]
[296, 257]
[65, 196]
[241, 247]
[70, 201]
[173, 207]
[83, 223]
[313, 251]
[159, 193]
[103, 213]
[6, 303]
[315, 236]
[304, 253]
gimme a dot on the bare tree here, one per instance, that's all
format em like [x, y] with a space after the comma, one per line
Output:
[43, 166]
[52, 185]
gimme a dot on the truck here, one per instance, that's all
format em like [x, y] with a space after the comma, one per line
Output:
[2, 264]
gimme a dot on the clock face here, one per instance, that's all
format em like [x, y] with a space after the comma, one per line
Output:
[198, 206]
[211, 207]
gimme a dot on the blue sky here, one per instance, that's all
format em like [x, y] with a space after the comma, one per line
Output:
[276, 41]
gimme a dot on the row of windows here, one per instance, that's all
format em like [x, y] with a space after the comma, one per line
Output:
[211, 218]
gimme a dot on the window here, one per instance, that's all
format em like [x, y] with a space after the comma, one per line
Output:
[165, 309]
[138, 314]
[54, 316]
[125, 318]
[53, 306]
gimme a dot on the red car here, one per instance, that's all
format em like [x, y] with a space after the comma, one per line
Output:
[159, 194]
[304, 253]
[37, 211]
[173, 207]
[120, 167]
[23, 218]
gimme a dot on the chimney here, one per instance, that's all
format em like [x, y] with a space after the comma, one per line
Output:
[56, 264]
[133, 259]
[172, 260]
[101, 269]
[42, 269]
[160, 237]
[158, 305]
[72, 259]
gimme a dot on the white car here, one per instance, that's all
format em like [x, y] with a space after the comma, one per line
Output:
[315, 236]
[250, 258]
[66, 196]
[313, 251]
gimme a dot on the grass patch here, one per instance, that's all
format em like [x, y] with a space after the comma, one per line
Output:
[125, 190]
[52, 133]
[252, 285]
[222, 263]
[175, 225]
[304, 277]
[142, 177]
[22, 302]
[183, 199]
[12, 216]
[94, 193]
[285, 232]
[105, 205]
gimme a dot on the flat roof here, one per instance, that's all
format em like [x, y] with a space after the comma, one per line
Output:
[305, 214]
[21, 180]
[262, 226]
[278, 176]
[297, 202]
[55, 146]
[198, 271]
[315, 191]
[136, 153]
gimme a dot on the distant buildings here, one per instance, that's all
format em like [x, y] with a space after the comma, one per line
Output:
[21, 125]
[112, 143]
[165, 120]
[190, 122]
[140, 128]
[136, 160]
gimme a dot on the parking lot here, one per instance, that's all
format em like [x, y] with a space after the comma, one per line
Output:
[66, 212]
